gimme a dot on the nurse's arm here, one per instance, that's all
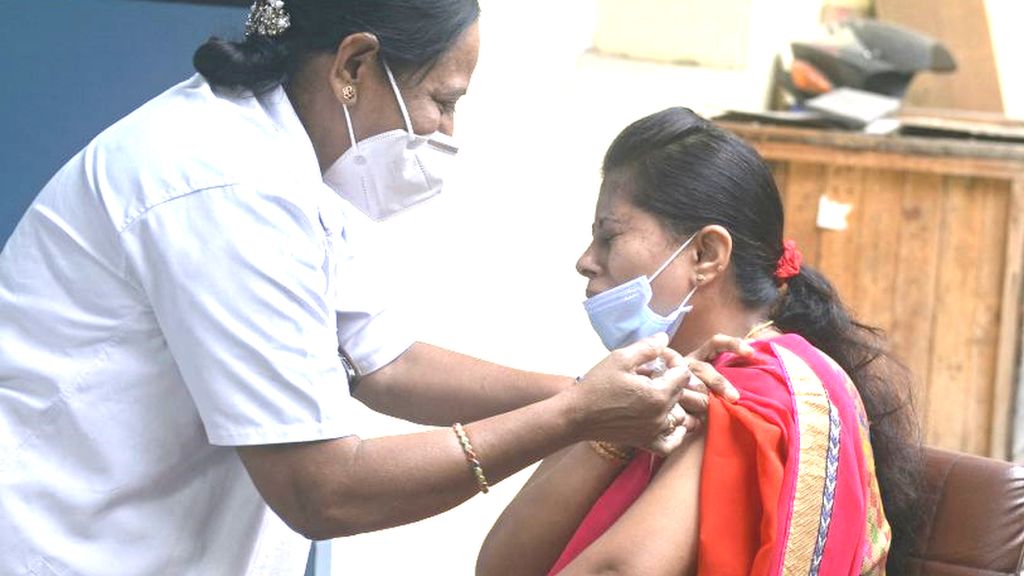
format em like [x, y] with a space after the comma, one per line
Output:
[434, 386]
[344, 486]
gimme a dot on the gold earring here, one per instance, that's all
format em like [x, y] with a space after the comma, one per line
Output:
[348, 93]
[700, 278]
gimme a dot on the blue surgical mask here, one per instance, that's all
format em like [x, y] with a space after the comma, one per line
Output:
[622, 315]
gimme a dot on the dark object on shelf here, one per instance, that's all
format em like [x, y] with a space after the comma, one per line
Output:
[795, 118]
[868, 55]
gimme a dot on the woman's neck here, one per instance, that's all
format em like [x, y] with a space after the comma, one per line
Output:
[708, 320]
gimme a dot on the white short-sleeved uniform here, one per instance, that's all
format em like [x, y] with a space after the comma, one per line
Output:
[180, 287]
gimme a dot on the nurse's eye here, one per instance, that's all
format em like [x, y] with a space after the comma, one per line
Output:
[447, 106]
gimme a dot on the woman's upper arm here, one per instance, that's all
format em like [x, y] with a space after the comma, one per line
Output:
[658, 535]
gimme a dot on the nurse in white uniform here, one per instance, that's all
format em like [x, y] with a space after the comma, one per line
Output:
[172, 305]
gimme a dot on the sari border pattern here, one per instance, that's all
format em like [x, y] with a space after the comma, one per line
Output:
[817, 461]
[828, 498]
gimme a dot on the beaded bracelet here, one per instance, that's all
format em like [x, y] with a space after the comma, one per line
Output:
[474, 462]
[609, 451]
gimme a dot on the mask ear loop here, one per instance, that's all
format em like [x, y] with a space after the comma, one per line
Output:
[689, 295]
[351, 132]
[671, 258]
[398, 96]
[669, 261]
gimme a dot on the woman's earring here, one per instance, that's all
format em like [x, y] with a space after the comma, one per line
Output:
[700, 278]
[348, 93]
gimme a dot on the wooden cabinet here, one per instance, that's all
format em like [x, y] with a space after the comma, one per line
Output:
[932, 254]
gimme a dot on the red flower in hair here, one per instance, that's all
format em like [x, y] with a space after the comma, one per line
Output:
[789, 263]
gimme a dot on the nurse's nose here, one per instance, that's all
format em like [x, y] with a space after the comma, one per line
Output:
[447, 126]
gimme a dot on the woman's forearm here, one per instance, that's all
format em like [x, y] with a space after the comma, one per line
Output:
[534, 529]
[434, 386]
[658, 534]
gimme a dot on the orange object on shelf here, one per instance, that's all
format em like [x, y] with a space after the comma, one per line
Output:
[807, 78]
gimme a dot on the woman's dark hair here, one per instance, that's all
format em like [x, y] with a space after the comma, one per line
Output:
[413, 34]
[689, 173]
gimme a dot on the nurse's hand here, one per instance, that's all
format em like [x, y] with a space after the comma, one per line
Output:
[690, 413]
[619, 401]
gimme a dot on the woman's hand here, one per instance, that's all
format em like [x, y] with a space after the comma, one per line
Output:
[704, 379]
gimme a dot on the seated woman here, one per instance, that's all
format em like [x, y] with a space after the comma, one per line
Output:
[813, 470]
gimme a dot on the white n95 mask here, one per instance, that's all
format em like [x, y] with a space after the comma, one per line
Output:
[394, 170]
[622, 315]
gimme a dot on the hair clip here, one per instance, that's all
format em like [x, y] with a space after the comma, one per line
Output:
[790, 261]
[267, 18]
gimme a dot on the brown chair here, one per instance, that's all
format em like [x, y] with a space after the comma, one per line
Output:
[976, 526]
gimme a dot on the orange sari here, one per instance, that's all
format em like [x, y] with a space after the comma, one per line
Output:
[787, 482]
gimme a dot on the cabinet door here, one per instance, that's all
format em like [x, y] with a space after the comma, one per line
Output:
[924, 257]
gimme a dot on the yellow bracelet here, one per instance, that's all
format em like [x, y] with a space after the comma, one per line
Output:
[471, 459]
[609, 451]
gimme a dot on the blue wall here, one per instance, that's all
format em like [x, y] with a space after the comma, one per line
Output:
[73, 67]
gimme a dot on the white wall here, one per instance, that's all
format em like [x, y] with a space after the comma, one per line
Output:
[1004, 20]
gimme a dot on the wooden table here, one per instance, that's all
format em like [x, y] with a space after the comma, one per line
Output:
[932, 254]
